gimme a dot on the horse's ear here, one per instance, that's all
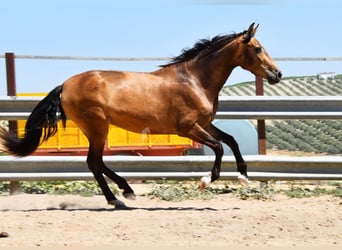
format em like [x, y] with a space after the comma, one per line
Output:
[250, 33]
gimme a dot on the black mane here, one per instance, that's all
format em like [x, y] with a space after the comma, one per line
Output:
[203, 48]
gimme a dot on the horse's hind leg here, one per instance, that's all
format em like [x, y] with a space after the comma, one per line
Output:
[128, 192]
[95, 164]
[95, 127]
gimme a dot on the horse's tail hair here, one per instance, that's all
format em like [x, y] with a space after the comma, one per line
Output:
[40, 125]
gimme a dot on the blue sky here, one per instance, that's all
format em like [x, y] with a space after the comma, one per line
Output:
[304, 28]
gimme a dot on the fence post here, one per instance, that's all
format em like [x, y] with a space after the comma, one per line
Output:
[11, 91]
[259, 89]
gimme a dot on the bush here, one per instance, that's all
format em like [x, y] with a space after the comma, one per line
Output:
[180, 192]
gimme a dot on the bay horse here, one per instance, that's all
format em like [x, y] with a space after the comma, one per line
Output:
[179, 98]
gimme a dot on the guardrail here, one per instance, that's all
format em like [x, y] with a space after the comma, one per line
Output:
[230, 107]
[262, 168]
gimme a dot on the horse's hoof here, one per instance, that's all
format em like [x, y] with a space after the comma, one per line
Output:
[205, 181]
[4, 235]
[130, 196]
[243, 180]
[118, 204]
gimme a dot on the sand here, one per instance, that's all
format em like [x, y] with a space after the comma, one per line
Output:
[71, 220]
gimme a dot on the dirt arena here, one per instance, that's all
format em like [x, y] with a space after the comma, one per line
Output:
[63, 220]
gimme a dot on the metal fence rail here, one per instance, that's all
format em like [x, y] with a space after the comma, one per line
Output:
[230, 107]
[260, 167]
[108, 58]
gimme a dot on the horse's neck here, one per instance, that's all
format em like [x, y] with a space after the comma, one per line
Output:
[213, 71]
[208, 73]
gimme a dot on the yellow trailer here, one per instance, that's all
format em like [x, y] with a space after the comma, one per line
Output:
[72, 141]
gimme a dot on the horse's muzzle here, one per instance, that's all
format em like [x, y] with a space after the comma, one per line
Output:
[273, 77]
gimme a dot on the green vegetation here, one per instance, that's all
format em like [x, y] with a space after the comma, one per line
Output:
[334, 189]
[175, 191]
[315, 136]
[184, 191]
[179, 192]
[318, 136]
[291, 86]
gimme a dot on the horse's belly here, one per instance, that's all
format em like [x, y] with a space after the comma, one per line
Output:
[144, 123]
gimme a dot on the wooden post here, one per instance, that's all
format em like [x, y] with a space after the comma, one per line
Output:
[11, 84]
[259, 89]
[11, 91]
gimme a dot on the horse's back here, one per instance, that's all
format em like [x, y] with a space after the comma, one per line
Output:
[130, 100]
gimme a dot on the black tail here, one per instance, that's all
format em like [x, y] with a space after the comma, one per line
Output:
[42, 120]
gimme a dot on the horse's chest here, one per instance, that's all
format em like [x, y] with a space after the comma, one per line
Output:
[202, 111]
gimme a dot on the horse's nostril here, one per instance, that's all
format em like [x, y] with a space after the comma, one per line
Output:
[279, 74]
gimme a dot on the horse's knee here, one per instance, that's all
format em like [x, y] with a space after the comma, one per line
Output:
[218, 149]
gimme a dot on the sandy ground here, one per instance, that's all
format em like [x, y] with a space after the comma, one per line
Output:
[63, 220]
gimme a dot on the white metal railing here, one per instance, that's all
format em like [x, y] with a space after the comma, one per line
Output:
[108, 58]
[260, 167]
[230, 107]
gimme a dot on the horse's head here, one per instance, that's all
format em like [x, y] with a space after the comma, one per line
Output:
[254, 57]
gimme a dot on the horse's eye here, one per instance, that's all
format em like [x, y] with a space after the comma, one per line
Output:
[258, 50]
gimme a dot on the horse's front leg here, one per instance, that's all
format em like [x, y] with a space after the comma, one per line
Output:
[200, 135]
[231, 142]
